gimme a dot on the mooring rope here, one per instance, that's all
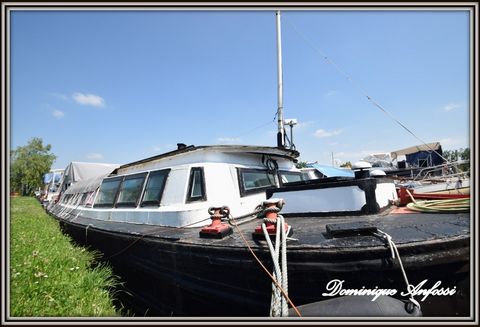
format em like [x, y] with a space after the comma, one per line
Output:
[396, 254]
[278, 306]
[274, 280]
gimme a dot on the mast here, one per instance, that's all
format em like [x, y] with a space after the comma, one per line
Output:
[281, 131]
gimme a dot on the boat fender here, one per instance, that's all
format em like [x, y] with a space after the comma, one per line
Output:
[217, 229]
[360, 306]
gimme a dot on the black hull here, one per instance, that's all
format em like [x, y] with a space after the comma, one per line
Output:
[179, 276]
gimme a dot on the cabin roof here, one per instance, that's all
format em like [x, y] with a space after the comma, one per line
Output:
[267, 150]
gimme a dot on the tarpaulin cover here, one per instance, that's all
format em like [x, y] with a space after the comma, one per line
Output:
[77, 171]
[87, 185]
[47, 178]
[56, 175]
[379, 160]
[330, 171]
[425, 158]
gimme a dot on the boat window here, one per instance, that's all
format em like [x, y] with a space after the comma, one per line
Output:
[84, 198]
[255, 180]
[290, 177]
[196, 185]
[90, 198]
[108, 192]
[154, 189]
[130, 190]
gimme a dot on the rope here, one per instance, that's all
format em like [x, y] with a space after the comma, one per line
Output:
[265, 269]
[278, 306]
[361, 89]
[395, 253]
[441, 206]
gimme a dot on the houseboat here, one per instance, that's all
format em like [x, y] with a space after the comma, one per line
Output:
[200, 231]
[163, 224]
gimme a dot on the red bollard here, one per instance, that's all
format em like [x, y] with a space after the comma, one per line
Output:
[272, 208]
[217, 229]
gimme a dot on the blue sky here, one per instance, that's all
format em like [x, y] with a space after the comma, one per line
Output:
[120, 86]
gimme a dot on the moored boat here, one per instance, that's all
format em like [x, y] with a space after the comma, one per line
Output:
[187, 231]
[147, 218]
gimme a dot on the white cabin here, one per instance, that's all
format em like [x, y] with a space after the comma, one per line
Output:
[177, 188]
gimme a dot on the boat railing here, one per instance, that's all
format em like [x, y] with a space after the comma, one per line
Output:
[441, 172]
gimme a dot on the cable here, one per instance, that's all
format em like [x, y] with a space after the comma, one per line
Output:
[360, 88]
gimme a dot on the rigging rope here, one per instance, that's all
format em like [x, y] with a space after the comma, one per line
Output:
[360, 88]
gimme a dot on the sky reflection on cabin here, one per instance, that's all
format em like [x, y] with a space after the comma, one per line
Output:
[121, 86]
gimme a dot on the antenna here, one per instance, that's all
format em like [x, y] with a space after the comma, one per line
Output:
[281, 131]
[291, 123]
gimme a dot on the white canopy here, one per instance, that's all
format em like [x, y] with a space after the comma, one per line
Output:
[417, 148]
[77, 171]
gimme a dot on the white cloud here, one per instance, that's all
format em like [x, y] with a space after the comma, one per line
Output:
[228, 139]
[324, 133]
[451, 106]
[454, 143]
[94, 156]
[58, 114]
[301, 125]
[330, 93]
[89, 99]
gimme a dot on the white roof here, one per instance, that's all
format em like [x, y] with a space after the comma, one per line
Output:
[77, 171]
[413, 149]
[192, 154]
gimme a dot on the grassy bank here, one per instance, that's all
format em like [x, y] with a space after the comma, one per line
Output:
[48, 275]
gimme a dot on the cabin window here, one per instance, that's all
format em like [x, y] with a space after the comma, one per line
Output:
[196, 185]
[130, 190]
[84, 198]
[90, 198]
[290, 177]
[154, 188]
[75, 199]
[108, 192]
[255, 180]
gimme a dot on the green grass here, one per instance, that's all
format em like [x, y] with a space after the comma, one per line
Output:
[50, 277]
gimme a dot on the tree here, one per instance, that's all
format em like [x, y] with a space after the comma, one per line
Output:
[301, 164]
[347, 164]
[454, 155]
[28, 165]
